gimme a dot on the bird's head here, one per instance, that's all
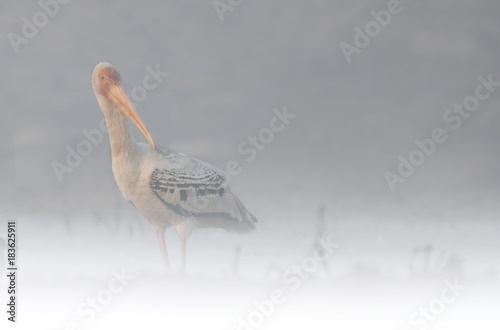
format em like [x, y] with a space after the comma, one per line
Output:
[106, 82]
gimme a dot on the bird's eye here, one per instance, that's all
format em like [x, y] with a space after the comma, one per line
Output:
[102, 77]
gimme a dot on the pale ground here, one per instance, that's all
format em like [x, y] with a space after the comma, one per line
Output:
[379, 275]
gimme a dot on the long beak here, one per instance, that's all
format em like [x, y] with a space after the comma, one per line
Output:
[116, 94]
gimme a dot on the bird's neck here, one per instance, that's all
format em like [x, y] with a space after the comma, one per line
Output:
[120, 134]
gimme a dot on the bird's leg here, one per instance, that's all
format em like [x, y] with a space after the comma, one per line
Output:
[161, 239]
[183, 253]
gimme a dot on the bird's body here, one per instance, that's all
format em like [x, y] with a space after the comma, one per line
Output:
[168, 188]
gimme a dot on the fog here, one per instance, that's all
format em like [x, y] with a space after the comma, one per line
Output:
[382, 113]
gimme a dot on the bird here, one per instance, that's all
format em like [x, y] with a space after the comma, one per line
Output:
[167, 188]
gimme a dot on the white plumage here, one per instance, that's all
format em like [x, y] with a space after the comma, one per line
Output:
[168, 188]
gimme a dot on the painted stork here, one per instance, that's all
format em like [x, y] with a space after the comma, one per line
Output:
[168, 188]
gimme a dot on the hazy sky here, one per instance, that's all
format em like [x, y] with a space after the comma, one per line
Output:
[353, 116]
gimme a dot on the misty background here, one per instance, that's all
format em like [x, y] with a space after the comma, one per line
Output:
[353, 120]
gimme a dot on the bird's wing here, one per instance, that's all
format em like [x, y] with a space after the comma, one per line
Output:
[199, 189]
